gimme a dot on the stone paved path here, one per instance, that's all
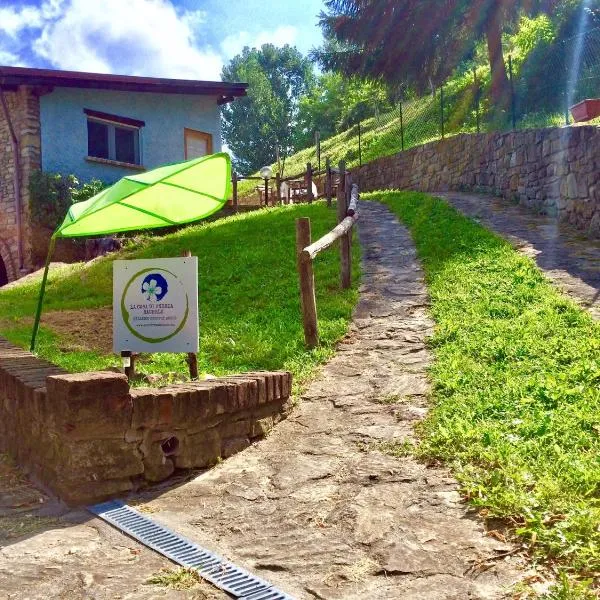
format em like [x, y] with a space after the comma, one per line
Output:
[317, 508]
[563, 253]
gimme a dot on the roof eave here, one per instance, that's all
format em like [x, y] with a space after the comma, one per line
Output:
[12, 76]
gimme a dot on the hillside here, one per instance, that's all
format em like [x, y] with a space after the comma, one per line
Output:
[249, 299]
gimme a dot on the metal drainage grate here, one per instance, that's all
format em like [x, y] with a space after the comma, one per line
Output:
[210, 566]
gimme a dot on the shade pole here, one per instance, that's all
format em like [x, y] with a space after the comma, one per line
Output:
[38, 313]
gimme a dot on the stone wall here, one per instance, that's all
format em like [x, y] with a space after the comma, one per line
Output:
[554, 171]
[89, 437]
[24, 109]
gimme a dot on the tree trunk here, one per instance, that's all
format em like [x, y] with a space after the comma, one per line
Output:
[500, 88]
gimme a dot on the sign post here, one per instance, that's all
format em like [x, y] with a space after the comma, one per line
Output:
[155, 305]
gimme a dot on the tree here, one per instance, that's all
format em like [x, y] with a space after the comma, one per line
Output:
[418, 42]
[259, 127]
[335, 103]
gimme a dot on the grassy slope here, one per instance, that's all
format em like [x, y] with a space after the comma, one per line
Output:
[379, 137]
[249, 301]
[516, 401]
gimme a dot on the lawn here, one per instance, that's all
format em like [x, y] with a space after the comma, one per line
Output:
[249, 299]
[516, 389]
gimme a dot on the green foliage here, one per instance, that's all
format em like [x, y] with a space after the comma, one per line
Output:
[259, 127]
[248, 290]
[516, 386]
[335, 103]
[530, 33]
[51, 195]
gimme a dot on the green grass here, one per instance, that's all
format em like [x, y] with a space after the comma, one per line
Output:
[516, 388]
[248, 289]
[379, 137]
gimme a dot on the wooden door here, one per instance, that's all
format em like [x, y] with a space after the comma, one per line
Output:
[196, 143]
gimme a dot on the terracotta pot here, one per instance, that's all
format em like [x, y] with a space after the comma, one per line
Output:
[586, 110]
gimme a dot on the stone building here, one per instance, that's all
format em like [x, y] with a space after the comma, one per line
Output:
[93, 126]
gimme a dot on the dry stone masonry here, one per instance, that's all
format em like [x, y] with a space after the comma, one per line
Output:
[89, 436]
[24, 109]
[555, 171]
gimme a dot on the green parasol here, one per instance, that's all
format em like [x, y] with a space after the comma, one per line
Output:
[170, 195]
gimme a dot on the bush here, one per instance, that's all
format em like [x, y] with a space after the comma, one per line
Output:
[51, 195]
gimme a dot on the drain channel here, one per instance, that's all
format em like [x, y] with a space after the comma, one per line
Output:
[225, 575]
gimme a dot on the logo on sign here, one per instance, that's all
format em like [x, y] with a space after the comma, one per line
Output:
[155, 305]
[154, 287]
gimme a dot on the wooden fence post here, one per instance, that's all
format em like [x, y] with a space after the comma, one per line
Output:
[342, 210]
[278, 188]
[328, 182]
[309, 192]
[307, 284]
[234, 181]
[192, 357]
[266, 191]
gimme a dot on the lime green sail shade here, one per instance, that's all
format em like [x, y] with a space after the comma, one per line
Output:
[169, 195]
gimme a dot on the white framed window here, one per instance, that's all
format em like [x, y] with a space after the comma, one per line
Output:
[113, 138]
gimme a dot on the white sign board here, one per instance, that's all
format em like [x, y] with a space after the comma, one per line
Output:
[155, 305]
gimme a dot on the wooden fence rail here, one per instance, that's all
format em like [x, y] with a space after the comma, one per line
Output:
[307, 178]
[306, 252]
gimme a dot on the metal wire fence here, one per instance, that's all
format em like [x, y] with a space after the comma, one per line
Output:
[543, 88]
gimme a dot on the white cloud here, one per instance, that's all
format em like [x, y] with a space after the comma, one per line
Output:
[134, 37]
[15, 20]
[234, 44]
[137, 37]
[10, 59]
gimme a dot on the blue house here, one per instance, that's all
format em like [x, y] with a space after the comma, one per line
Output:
[94, 126]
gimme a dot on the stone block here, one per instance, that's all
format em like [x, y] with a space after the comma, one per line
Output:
[86, 405]
[98, 459]
[234, 429]
[261, 427]
[199, 450]
[79, 492]
[233, 446]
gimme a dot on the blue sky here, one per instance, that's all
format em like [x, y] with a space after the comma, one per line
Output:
[163, 38]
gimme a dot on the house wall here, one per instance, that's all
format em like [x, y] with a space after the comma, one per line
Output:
[64, 127]
[555, 171]
[23, 107]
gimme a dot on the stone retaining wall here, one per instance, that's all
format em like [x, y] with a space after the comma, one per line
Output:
[24, 109]
[554, 171]
[89, 437]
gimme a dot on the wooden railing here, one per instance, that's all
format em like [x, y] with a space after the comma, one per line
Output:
[274, 196]
[306, 251]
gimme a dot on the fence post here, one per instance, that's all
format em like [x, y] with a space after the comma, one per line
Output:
[359, 146]
[476, 99]
[328, 182]
[342, 210]
[566, 92]
[402, 125]
[307, 284]
[234, 181]
[278, 188]
[192, 357]
[266, 192]
[309, 192]
[512, 93]
[442, 110]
